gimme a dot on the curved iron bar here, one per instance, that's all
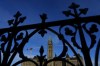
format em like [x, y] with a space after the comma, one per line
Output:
[15, 49]
[64, 46]
[67, 43]
[21, 46]
[90, 35]
[7, 52]
[97, 54]
[58, 59]
[76, 14]
[5, 40]
[21, 61]
[41, 26]
[86, 51]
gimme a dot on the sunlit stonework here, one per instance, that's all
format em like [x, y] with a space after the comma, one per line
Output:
[50, 56]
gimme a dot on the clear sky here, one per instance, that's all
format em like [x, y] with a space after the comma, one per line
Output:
[33, 8]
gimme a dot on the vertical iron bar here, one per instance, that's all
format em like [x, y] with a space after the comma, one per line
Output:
[84, 49]
[0, 56]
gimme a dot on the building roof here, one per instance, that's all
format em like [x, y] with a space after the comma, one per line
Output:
[67, 56]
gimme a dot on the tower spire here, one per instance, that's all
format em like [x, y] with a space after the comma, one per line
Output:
[50, 40]
[50, 49]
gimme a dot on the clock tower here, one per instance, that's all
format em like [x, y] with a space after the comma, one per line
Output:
[50, 51]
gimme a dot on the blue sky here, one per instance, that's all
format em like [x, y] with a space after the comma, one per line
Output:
[33, 8]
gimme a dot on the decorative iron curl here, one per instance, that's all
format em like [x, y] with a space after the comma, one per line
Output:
[67, 43]
[78, 23]
[80, 27]
[63, 53]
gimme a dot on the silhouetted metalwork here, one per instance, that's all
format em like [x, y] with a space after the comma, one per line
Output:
[10, 37]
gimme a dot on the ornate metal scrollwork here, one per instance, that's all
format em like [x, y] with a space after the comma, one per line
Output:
[10, 37]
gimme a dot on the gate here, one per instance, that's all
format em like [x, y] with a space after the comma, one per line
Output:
[10, 46]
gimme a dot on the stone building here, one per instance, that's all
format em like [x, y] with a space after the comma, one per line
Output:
[50, 56]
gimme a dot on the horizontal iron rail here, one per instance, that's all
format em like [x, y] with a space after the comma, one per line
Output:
[53, 23]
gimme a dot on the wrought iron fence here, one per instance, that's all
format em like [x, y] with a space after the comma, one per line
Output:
[14, 33]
